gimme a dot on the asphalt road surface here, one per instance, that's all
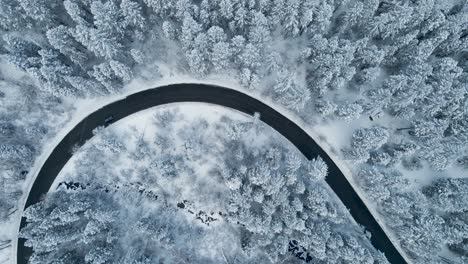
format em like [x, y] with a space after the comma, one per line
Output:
[219, 96]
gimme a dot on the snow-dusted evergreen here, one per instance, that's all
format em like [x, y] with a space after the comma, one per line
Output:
[402, 64]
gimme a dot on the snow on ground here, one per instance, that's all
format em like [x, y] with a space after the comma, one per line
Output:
[332, 136]
[141, 125]
[6, 231]
[426, 175]
[85, 107]
[197, 187]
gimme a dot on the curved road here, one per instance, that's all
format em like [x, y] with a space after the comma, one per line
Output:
[214, 95]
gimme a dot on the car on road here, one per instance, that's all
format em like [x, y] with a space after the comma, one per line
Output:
[109, 120]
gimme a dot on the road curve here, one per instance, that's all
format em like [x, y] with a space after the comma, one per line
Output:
[214, 95]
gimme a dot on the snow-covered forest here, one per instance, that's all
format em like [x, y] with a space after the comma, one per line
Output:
[395, 71]
[232, 187]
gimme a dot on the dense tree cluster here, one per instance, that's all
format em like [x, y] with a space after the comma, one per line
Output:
[274, 197]
[405, 58]
[277, 195]
[425, 221]
[22, 133]
[343, 59]
[102, 227]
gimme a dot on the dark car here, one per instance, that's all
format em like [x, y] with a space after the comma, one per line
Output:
[109, 120]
